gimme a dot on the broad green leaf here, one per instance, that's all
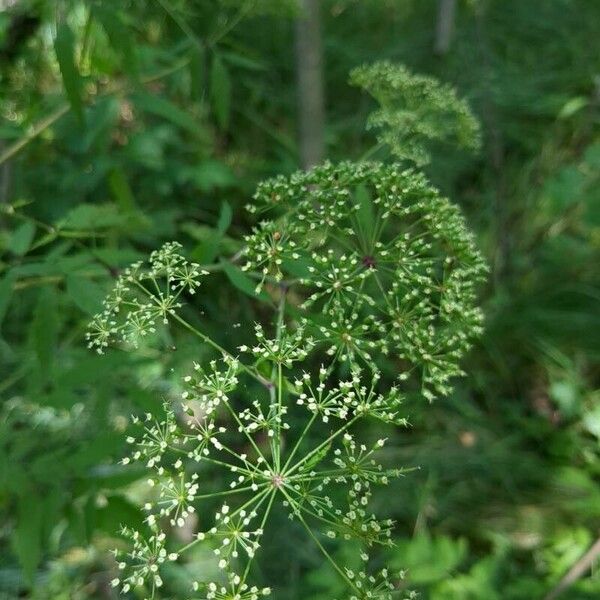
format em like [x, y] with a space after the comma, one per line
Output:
[86, 294]
[121, 190]
[430, 559]
[220, 91]
[208, 249]
[164, 108]
[208, 175]
[94, 217]
[21, 238]
[64, 46]
[116, 511]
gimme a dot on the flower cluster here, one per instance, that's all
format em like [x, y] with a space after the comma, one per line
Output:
[144, 296]
[415, 110]
[141, 566]
[387, 264]
[288, 348]
[326, 486]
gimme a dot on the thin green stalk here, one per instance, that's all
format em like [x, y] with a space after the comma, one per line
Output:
[248, 436]
[322, 445]
[276, 395]
[251, 501]
[216, 346]
[299, 441]
[328, 556]
[262, 526]
[247, 488]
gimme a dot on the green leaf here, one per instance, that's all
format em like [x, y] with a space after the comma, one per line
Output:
[6, 289]
[21, 238]
[208, 249]
[316, 458]
[64, 46]
[94, 217]
[572, 106]
[115, 512]
[220, 91]
[224, 218]
[430, 559]
[119, 35]
[86, 294]
[121, 190]
[241, 281]
[197, 73]
[27, 535]
[44, 329]
[161, 107]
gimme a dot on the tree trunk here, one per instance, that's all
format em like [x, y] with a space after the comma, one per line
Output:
[445, 26]
[309, 68]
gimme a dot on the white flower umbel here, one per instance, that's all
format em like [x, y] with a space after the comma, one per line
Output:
[264, 463]
[390, 266]
[144, 296]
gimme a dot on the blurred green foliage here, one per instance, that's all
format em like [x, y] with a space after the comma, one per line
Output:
[128, 124]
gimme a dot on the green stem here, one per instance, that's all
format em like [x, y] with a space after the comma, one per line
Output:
[248, 436]
[322, 445]
[300, 439]
[227, 492]
[254, 374]
[252, 500]
[262, 526]
[328, 556]
[276, 395]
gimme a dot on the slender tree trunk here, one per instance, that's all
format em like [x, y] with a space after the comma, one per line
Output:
[311, 99]
[445, 25]
[584, 564]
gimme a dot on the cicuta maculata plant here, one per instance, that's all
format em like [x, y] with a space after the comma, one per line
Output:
[380, 265]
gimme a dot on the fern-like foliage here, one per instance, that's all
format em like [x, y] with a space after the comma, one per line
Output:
[415, 110]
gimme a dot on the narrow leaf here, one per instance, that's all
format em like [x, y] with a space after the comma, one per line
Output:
[164, 108]
[121, 190]
[224, 218]
[64, 46]
[220, 91]
[120, 37]
[6, 289]
[27, 535]
[44, 329]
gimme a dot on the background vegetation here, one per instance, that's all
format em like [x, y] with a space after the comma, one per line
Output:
[127, 124]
